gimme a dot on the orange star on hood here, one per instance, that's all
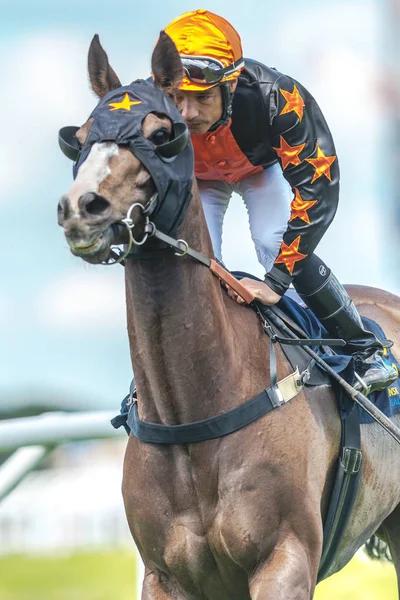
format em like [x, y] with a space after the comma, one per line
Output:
[293, 102]
[299, 207]
[289, 155]
[126, 103]
[290, 255]
[322, 165]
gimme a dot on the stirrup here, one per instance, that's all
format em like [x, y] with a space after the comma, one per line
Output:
[361, 386]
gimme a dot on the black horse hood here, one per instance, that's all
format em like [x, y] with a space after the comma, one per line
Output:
[119, 117]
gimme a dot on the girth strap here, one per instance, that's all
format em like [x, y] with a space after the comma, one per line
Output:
[219, 426]
[344, 490]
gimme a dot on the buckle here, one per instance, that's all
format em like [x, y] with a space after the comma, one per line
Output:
[351, 460]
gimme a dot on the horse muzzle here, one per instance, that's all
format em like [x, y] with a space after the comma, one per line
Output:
[87, 226]
[95, 249]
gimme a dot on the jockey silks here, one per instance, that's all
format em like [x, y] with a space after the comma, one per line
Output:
[274, 118]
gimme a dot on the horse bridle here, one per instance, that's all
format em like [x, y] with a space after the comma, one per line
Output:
[150, 230]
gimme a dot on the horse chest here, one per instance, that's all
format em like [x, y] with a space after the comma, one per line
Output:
[185, 521]
[195, 558]
[179, 529]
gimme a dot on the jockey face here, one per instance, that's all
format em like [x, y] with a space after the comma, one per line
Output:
[200, 110]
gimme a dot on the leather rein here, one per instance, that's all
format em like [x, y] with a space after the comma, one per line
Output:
[180, 246]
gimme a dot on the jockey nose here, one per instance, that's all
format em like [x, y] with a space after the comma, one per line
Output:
[188, 109]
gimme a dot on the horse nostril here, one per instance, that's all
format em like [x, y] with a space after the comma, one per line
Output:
[93, 205]
[97, 206]
[63, 210]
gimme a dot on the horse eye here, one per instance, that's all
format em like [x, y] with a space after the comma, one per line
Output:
[161, 136]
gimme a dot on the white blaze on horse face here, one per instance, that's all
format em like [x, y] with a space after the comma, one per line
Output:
[92, 172]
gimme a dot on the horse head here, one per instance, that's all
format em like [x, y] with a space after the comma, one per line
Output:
[132, 157]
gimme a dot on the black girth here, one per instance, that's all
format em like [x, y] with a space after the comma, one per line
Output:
[207, 429]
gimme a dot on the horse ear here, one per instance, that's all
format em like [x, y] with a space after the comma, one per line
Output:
[166, 64]
[102, 76]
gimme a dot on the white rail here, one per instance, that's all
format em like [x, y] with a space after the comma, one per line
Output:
[24, 460]
[52, 429]
[33, 438]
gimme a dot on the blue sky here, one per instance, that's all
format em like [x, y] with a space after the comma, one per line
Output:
[62, 323]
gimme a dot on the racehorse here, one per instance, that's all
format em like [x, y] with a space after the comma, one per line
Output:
[238, 517]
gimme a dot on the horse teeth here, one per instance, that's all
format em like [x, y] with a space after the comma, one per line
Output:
[89, 248]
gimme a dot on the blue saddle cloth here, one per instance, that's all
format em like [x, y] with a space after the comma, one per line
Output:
[388, 400]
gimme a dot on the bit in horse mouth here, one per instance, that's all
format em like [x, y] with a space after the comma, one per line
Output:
[97, 249]
[90, 248]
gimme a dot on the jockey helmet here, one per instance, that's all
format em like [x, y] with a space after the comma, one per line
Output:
[209, 47]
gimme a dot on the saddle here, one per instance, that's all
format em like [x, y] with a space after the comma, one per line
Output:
[292, 313]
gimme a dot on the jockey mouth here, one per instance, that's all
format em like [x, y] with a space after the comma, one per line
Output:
[194, 125]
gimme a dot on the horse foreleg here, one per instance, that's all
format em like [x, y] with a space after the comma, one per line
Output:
[156, 587]
[289, 573]
[391, 527]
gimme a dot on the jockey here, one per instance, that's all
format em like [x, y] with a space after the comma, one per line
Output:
[261, 134]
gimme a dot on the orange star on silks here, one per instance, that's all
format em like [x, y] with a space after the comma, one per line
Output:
[289, 155]
[293, 102]
[126, 103]
[290, 255]
[322, 164]
[299, 207]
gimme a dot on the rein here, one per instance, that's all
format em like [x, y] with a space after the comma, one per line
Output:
[181, 247]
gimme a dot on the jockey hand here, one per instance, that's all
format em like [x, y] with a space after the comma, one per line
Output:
[261, 291]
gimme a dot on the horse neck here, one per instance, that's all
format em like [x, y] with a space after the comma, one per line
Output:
[183, 341]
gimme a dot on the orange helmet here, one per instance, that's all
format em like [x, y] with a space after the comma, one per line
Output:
[209, 47]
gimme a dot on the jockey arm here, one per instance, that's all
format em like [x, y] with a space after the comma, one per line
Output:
[304, 147]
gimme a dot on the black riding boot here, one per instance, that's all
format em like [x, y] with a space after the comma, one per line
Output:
[332, 305]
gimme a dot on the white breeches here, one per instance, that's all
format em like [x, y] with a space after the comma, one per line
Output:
[267, 197]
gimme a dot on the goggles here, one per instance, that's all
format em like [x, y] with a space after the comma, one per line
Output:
[207, 71]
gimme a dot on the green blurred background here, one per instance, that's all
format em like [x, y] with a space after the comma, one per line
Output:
[112, 576]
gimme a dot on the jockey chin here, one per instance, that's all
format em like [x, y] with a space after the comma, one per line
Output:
[261, 134]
